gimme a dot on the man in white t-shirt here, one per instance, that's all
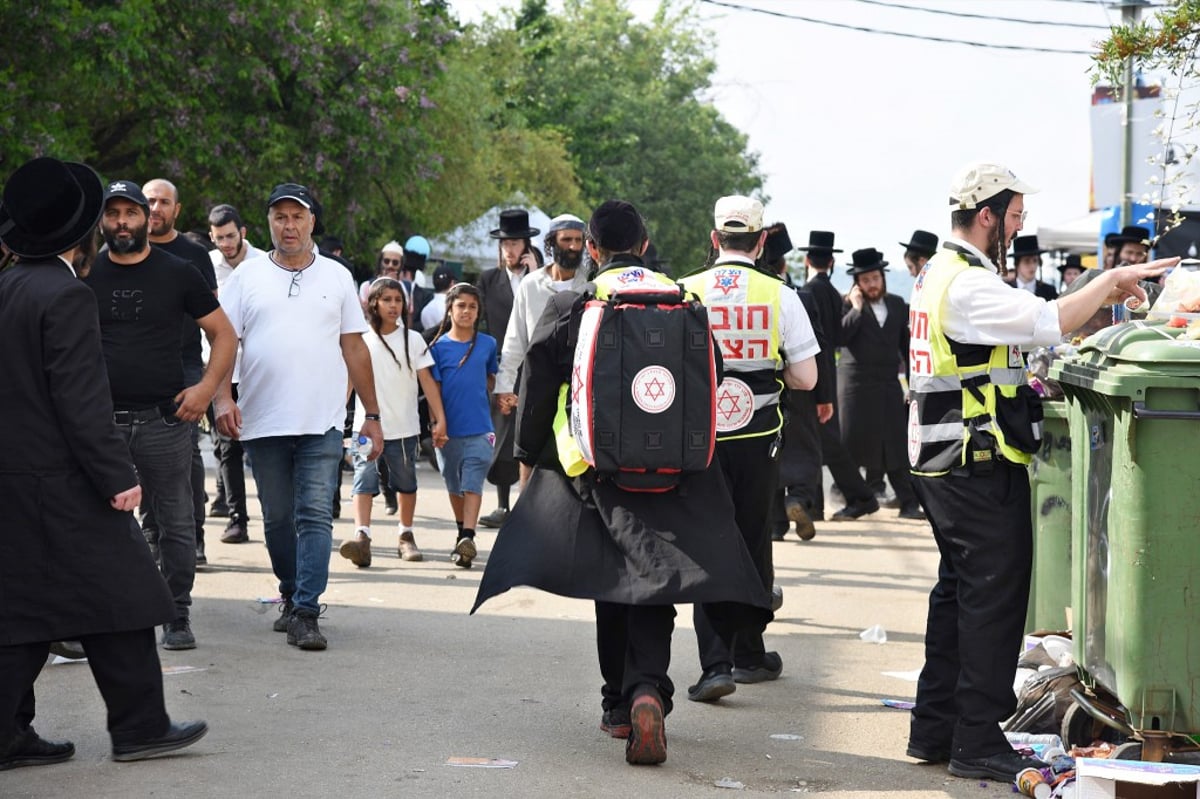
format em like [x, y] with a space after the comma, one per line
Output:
[300, 324]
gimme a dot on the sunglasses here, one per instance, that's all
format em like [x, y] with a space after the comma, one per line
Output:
[391, 261]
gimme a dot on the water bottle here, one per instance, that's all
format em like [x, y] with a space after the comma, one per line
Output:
[363, 446]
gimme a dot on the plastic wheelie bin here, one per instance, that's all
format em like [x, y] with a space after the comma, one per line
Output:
[1050, 490]
[1133, 393]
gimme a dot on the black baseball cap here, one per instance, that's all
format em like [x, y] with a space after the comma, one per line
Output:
[291, 191]
[127, 190]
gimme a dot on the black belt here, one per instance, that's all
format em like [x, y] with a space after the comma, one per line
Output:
[137, 417]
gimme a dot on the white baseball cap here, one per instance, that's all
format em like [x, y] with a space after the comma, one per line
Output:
[738, 214]
[978, 181]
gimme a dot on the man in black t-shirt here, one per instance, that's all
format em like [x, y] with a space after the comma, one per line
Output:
[163, 199]
[143, 295]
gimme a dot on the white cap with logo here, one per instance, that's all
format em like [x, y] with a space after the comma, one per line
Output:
[978, 181]
[738, 214]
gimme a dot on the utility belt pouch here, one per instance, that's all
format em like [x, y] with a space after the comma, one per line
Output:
[1020, 419]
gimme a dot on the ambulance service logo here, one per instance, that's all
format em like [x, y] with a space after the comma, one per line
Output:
[653, 389]
[726, 280]
[735, 405]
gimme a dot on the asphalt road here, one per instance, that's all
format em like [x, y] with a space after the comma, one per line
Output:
[410, 681]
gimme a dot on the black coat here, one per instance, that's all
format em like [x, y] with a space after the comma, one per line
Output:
[497, 293]
[829, 309]
[801, 456]
[871, 402]
[580, 538]
[70, 565]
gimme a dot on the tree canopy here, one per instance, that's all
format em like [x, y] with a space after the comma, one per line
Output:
[400, 118]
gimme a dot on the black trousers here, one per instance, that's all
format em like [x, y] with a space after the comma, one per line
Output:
[843, 468]
[800, 463]
[634, 646]
[973, 634]
[752, 476]
[125, 667]
[231, 472]
[901, 480]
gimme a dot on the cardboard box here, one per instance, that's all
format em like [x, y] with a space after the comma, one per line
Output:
[1133, 779]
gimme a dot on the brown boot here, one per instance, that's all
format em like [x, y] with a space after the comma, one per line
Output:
[357, 550]
[407, 548]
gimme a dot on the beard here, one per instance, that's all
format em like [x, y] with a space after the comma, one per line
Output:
[568, 259]
[135, 243]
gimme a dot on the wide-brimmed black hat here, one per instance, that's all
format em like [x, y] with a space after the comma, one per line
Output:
[1074, 261]
[778, 244]
[49, 206]
[922, 241]
[868, 260]
[1131, 234]
[819, 241]
[1025, 245]
[514, 224]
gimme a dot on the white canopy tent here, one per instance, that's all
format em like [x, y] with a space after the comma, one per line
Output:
[1077, 235]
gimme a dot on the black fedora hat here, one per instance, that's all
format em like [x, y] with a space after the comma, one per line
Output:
[868, 260]
[1131, 234]
[1074, 261]
[922, 241]
[819, 241]
[779, 243]
[1025, 245]
[514, 224]
[49, 206]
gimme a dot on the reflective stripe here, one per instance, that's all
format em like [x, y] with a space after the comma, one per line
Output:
[928, 384]
[946, 431]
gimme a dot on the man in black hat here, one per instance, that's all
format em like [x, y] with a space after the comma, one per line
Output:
[800, 460]
[1027, 257]
[874, 353]
[1132, 245]
[918, 250]
[860, 499]
[82, 571]
[145, 294]
[517, 258]
[1070, 269]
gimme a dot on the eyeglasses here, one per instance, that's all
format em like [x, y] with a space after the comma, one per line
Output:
[1022, 216]
[294, 286]
[391, 262]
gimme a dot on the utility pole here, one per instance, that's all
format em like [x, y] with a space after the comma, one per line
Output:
[1131, 12]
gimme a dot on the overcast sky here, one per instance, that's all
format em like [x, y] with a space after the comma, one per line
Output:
[860, 132]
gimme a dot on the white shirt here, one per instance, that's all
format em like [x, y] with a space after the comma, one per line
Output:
[395, 383]
[881, 311]
[529, 303]
[434, 311]
[983, 309]
[1030, 286]
[294, 378]
[222, 268]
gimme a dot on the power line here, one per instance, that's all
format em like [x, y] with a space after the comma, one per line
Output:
[919, 37]
[968, 15]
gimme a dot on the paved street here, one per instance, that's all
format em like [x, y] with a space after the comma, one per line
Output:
[410, 681]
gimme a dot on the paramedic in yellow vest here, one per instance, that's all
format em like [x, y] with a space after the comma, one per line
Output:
[972, 426]
[635, 553]
[767, 342]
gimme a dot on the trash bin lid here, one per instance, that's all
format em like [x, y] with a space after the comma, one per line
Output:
[1144, 343]
[1126, 359]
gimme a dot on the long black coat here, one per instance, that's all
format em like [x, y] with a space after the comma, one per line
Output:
[606, 543]
[874, 416]
[829, 309]
[497, 293]
[70, 565]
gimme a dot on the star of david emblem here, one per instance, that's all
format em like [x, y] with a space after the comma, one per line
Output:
[576, 384]
[728, 405]
[727, 280]
[655, 389]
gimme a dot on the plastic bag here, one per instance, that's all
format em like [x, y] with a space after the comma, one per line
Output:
[1181, 295]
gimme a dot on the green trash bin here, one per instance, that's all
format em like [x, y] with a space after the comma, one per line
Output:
[1050, 491]
[1134, 404]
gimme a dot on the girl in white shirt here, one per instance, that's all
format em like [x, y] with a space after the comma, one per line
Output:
[400, 361]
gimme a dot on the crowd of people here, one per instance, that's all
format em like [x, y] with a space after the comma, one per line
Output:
[306, 366]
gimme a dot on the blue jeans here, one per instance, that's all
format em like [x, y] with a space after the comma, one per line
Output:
[295, 477]
[161, 449]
